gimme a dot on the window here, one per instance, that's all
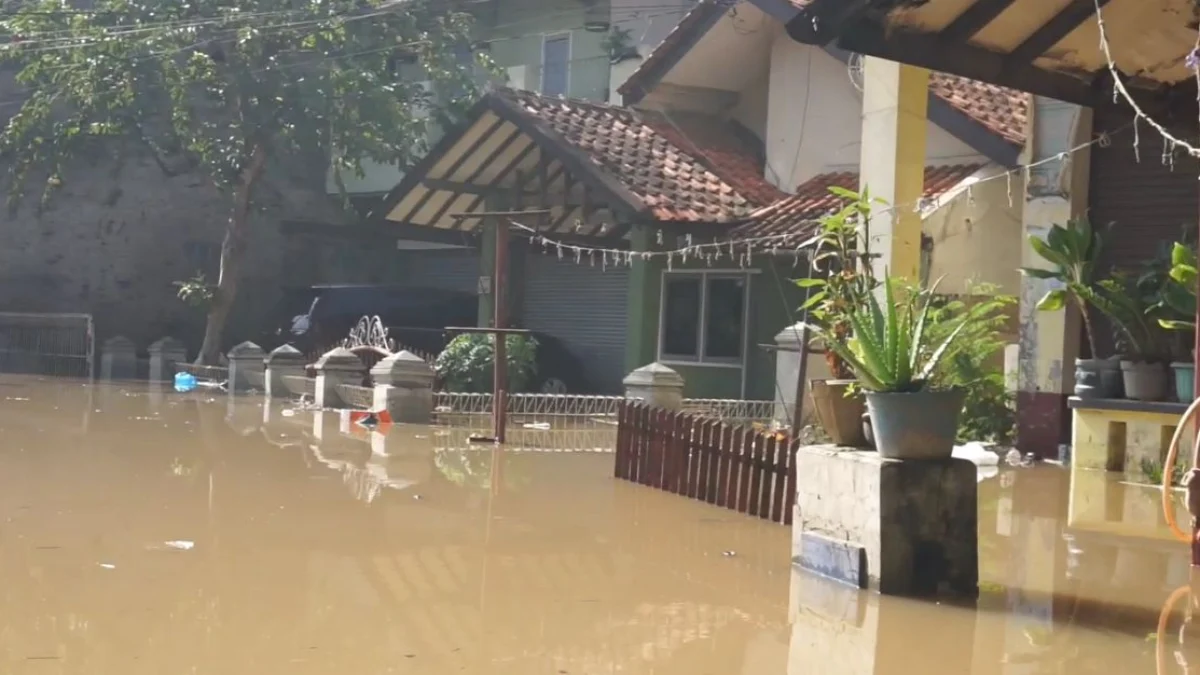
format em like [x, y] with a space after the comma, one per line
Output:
[703, 317]
[556, 64]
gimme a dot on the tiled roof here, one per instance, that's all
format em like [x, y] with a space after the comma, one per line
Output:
[691, 172]
[1000, 110]
[798, 213]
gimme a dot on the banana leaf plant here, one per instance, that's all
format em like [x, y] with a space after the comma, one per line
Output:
[1179, 293]
[1071, 253]
[890, 351]
[1135, 319]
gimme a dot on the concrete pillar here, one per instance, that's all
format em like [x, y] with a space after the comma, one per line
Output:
[656, 385]
[902, 527]
[404, 388]
[164, 354]
[894, 127]
[337, 366]
[118, 359]
[643, 301]
[1048, 341]
[246, 369]
[282, 362]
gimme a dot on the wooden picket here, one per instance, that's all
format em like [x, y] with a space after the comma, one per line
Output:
[739, 468]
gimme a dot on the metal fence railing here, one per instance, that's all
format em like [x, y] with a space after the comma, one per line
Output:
[47, 344]
[356, 396]
[204, 373]
[730, 410]
[528, 404]
[299, 385]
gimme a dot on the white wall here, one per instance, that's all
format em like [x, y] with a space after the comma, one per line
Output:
[814, 118]
[977, 238]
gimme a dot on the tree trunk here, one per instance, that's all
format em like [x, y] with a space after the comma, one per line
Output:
[233, 247]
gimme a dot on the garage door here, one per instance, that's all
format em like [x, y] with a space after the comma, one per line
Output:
[585, 308]
[451, 269]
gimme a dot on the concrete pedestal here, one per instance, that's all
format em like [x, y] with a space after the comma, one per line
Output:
[655, 385]
[246, 367]
[899, 527]
[337, 366]
[404, 388]
[118, 359]
[282, 362]
[164, 354]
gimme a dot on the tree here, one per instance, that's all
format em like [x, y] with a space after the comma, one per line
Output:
[234, 89]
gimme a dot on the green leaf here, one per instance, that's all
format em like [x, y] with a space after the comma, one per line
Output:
[1053, 301]
[1038, 273]
[814, 300]
[809, 282]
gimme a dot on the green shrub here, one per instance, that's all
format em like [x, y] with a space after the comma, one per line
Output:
[976, 362]
[465, 365]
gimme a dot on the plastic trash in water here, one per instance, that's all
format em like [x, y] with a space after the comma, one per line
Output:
[185, 382]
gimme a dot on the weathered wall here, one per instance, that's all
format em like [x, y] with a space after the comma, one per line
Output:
[111, 241]
[978, 237]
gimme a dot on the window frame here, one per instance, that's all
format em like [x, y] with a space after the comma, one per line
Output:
[546, 37]
[746, 276]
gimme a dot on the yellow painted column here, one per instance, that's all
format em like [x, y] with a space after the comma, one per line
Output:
[892, 161]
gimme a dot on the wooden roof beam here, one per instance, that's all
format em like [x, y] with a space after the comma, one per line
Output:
[1053, 31]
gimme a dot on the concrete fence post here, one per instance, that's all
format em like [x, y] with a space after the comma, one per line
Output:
[164, 355]
[283, 361]
[404, 387]
[656, 385]
[118, 359]
[337, 366]
[245, 361]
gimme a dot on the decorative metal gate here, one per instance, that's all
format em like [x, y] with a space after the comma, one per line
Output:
[47, 344]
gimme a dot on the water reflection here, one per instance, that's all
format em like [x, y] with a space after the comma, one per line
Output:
[321, 546]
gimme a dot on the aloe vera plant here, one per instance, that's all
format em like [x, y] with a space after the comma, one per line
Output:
[890, 350]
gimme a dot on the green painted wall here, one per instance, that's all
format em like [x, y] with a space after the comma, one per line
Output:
[516, 29]
[773, 301]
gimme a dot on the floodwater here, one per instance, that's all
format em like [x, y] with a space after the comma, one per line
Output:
[154, 532]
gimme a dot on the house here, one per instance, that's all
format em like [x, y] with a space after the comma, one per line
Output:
[707, 150]
[1113, 129]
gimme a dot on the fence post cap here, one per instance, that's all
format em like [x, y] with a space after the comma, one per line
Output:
[339, 358]
[790, 335]
[165, 344]
[654, 375]
[246, 351]
[119, 343]
[403, 369]
[284, 354]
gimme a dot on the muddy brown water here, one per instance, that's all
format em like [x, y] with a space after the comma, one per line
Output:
[153, 532]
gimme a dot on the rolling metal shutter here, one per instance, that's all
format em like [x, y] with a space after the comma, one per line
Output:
[585, 307]
[451, 269]
[1150, 201]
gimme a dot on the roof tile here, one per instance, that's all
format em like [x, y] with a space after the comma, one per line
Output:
[797, 214]
[688, 169]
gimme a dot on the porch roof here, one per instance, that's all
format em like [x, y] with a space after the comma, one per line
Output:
[641, 165]
[968, 109]
[1046, 47]
[798, 214]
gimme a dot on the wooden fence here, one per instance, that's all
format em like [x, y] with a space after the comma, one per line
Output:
[737, 467]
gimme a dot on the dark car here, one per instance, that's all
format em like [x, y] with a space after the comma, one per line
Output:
[558, 370]
[315, 319]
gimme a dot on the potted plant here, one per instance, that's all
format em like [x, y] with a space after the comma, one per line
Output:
[1178, 300]
[1070, 253]
[841, 280]
[1141, 340]
[893, 358]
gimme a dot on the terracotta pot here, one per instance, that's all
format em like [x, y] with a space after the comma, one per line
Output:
[839, 415]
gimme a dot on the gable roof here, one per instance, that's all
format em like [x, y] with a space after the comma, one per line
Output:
[688, 169]
[797, 214]
[999, 111]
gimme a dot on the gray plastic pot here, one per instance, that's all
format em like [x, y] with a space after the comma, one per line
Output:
[1145, 380]
[1098, 378]
[920, 425]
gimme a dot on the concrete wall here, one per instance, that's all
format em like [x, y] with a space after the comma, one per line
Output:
[112, 240]
[977, 238]
[814, 123]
